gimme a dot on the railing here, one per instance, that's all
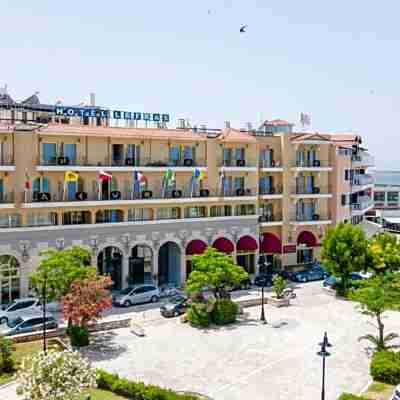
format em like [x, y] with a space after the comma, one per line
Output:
[362, 179]
[310, 190]
[6, 198]
[362, 204]
[126, 162]
[272, 190]
[236, 163]
[363, 158]
[309, 218]
[6, 159]
[269, 164]
[275, 217]
[311, 164]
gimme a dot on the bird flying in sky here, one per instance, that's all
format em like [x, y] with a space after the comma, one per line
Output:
[243, 29]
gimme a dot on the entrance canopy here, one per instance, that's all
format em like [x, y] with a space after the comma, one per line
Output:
[223, 245]
[307, 238]
[195, 247]
[246, 243]
[270, 243]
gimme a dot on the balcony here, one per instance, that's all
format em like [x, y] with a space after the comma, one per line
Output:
[362, 159]
[362, 181]
[363, 204]
[274, 219]
[237, 165]
[6, 163]
[127, 164]
[6, 200]
[274, 192]
[310, 219]
[314, 165]
[270, 166]
[311, 192]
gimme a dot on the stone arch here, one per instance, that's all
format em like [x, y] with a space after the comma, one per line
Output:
[141, 261]
[169, 263]
[110, 261]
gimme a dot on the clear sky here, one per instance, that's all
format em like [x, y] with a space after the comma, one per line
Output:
[337, 60]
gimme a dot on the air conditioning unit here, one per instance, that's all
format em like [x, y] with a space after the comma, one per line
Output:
[43, 196]
[316, 163]
[240, 192]
[147, 194]
[62, 160]
[130, 161]
[240, 163]
[176, 194]
[81, 196]
[315, 217]
[316, 190]
[188, 162]
[204, 192]
[115, 195]
[262, 218]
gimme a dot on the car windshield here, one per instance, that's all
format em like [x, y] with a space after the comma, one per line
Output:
[126, 291]
[10, 305]
[177, 299]
[12, 323]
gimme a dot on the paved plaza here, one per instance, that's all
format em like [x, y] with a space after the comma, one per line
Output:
[249, 360]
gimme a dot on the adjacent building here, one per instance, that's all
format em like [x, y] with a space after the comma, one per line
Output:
[144, 198]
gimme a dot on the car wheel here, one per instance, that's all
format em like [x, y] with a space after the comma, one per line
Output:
[127, 303]
[176, 314]
[3, 320]
[154, 299]
[304, 280]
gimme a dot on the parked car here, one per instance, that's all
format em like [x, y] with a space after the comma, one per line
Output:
[258, 280]
[244, 285]
[176, 306]
[315, 273]
[136, 295]
[396, 393]
[12, 310]
[332, 280]
[28, 321]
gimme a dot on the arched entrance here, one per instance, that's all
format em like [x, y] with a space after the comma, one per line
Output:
[109, 262]
[224, 245]
[140, 265]
[10, 273]
[169, 264]
[246, 249]
[306, 241]
[270, 247]
[195, 246]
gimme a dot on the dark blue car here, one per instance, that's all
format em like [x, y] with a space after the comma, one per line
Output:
[315, 273]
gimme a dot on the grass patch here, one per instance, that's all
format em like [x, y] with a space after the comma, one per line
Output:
[379, 391]
[98, 394]
[21, 350]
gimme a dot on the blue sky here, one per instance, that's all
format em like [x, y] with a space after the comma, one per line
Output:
[337, 60]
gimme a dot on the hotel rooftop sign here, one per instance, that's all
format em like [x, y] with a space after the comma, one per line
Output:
[97, 112]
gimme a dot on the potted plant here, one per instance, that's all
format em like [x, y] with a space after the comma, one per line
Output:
[278, 286]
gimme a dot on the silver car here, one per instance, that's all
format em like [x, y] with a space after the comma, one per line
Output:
[28, 321]
[137, 294]
[396, 393]
[14, 309]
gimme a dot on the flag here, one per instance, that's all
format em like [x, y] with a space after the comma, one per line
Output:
[28, 184]
[71, 176]
[169, 176]
[196, 173]
[202, 175]
[104, 176]
[140, 178]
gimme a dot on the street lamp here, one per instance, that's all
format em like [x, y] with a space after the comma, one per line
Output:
[44, 295]
[324, 353]
[262, 270]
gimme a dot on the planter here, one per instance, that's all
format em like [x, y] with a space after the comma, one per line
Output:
[285, 302]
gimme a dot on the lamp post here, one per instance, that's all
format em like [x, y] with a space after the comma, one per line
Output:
[324, 353]
[262, 267]
[44, 295]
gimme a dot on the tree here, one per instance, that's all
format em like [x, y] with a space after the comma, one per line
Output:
[87, 298]
[279, 286]
[385, 253]
[59, 269]
[378, 295]
[55, 376]
[216, 271]
[344, 250]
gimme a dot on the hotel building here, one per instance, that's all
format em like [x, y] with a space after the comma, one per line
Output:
[145, 198]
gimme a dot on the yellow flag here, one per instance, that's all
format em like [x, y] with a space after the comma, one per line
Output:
[71, 176]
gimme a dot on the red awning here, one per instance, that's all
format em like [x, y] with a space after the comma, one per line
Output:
[270, 244]
[224, 245]
[307, 238]
[246, 243]
[195, 247]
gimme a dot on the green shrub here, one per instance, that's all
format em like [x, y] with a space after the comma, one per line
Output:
[385, 367]
[349, 396]
[198, 315]
[224, 312]
[79, 336]
[7, 362]
[136, 390]
[279, 285]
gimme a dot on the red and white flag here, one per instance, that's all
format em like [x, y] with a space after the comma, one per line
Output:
[104, 176]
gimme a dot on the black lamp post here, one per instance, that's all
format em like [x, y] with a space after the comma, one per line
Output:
[262, 270]
[324, 353]
[44, 295]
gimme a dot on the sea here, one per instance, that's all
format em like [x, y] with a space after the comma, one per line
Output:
[387, 177]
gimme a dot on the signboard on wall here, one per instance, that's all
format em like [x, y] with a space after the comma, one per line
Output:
[289, 248]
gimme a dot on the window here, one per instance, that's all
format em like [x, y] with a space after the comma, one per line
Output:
[195, 212]
[139, 214]
[9, 220]
[133, 153]
[379, 197]
[174, 155]
[189, 153]
[266, 184]
[239, 182]
[240, 153]
[42, 219]
[49, 153]
[245, 209]
[393, 197]
[220, 211]
[41, 185]
[168, 213]
[117, 154]
[344, 199]
[304, 256]
[69, 151]
[227, 157]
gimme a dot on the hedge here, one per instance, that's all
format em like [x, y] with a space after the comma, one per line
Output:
[349, 396]
[137, 390]
[198, 315]
[385, 367]
[224, 312]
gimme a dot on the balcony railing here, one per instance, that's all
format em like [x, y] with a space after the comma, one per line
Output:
[6, 159]
[362, 204]
[363, 159]
[311, 164]
[271, 190]
[362, 180]
[236, 163]
[269, 164]
[6, 198]
[126, 162]
[275, 217]
[316, 216]
[310, 190]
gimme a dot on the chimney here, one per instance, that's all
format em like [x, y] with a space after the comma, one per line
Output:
[181, 123]
[92, 99]
[227, 124]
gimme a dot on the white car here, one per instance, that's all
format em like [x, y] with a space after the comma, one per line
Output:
[137, 294]
[12, 310]
[396, 393]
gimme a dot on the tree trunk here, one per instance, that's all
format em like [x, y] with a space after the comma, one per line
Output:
[381, 327]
